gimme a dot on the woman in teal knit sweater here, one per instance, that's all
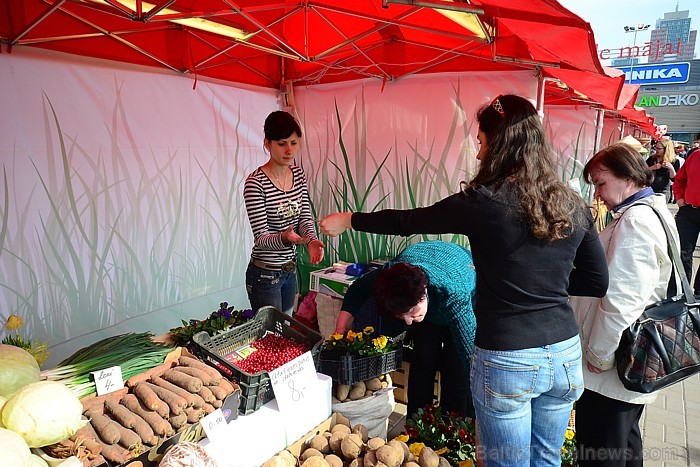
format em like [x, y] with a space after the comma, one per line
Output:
[429, 285]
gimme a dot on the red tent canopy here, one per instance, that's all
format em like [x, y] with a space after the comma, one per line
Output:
[269, 43]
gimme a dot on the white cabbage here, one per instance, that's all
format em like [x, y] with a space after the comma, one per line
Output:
[36, 461]
[43, 413]
[17, 368]
[2, 404]
[14, 449]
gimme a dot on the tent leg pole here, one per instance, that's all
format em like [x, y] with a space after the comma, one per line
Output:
[600, 113]
[622, 130]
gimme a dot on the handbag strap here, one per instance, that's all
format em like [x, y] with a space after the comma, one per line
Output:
[678, 268]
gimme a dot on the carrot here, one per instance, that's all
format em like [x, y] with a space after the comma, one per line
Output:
[144, 430]
[188, 396]
[187, 382]
[90, 402]
[120, 413]
[96, 461]
[228, 386]
[175, 402]
[177, 421]
[150, 400]
[105, 428]
[115, 453]
[159, 425]
[128, 438]
[194, 363]
[208, 408]
[218, 391]
[207, 395]
[86, 436]
[194, 414]
[206, 378]
[146, 375]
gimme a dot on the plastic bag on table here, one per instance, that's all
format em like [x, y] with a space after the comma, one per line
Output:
[373, 412]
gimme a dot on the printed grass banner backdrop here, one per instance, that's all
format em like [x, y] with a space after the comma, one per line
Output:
[121, 193]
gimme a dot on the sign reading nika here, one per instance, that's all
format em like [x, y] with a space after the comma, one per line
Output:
[658, 73]
[670, 100]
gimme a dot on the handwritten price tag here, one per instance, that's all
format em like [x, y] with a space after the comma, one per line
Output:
[108, 380]
[293, 384]
[214, 426]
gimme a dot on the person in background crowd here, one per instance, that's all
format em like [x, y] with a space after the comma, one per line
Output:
[686, 190]
[430, 286]
[607, 415]
[681, 153]
[695, 147]
[634, 144]
[277, 202]
[533, 243]
[664, 165]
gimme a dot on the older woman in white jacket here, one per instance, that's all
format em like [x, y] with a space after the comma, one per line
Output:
[607, 415]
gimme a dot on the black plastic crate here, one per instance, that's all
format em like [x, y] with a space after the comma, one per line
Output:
[350, 369]
[255, 396]
[214, 349]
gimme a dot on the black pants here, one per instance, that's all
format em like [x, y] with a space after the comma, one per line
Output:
[688, 224]
[433, 350]
[607, 432]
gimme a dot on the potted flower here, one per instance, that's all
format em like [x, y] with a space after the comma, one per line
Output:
[568, 450]
[449, 434]
[223, 319]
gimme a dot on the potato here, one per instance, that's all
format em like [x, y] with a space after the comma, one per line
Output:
[428, 458]
[384, 385]
[320, 443]
[389, 456]
[357, 391]
[361, 430]
[359, 462]
[410, 464]
[397, 445]
[342, 391]
[334, 461]
[310, 452]
[373, 384]
[374, 443]
[351, 446]
[288, 457]
[276, 461]
[339, 419]
[368, 393]
[344, 429]
[407, 454]
[336, 439]
[442, 462]
[370, 459]
[315, 461]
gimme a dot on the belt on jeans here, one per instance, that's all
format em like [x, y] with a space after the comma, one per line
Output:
[286, 267]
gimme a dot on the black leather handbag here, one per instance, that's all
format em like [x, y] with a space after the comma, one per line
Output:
[662, 346]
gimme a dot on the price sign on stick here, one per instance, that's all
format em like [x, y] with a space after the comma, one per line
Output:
[214, 426]
[108, 380]
[294, 382]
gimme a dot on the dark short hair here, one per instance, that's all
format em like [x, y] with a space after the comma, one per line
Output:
[280, 125]
[399, 288]
[623, 162]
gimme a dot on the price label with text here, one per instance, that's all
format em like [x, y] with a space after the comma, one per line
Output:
[214, 426]
[294, 382]
[108, 380]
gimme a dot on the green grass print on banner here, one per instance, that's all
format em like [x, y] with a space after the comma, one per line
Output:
[116, 239]
[421, 180]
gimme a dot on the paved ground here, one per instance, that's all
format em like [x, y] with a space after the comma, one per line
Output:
[670, 426]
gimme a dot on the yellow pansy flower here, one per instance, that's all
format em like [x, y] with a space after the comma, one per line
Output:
[359, 335]
[416, 448]
[402, 438]
[466, 463]
[13, 322]
[368, 330]
[569, 434]
[380, 342]
[336, 337]
[442, 451]
[351, 335]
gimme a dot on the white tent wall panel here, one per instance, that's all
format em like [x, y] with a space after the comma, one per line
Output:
[122, 197]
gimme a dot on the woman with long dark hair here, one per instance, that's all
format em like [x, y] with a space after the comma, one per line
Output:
[533, 243]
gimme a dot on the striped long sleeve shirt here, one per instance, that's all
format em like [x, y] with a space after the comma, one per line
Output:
[271, 211]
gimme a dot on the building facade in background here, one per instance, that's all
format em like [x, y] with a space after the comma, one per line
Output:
[672, 38]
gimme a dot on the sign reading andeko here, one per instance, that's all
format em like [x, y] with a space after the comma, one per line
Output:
[657, 73]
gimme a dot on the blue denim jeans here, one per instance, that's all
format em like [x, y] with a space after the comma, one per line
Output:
[523, 401]
[271, 288]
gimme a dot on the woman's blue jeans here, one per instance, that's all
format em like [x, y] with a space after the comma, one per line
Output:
[271, 288]
[523, 401]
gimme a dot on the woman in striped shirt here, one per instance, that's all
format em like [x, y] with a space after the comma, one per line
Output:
[277, 201]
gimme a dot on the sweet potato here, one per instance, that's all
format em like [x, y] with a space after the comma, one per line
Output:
[194, 363]
[186, 382]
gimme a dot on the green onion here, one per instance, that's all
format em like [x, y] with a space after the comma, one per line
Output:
[133, 352]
